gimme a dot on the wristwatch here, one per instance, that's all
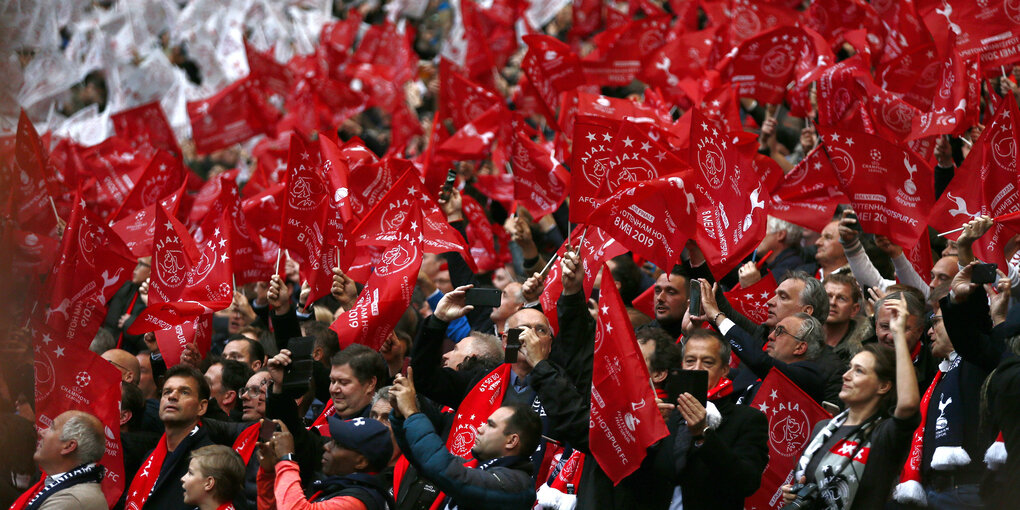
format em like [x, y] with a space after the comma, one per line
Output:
[289, 456]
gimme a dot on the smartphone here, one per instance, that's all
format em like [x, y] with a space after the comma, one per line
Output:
[483, 297]
[299, 373]
[983, 273]
[856, 225]
[694, 382]
[695, 298]
[513, 345]
[266, 430]
[451, 178]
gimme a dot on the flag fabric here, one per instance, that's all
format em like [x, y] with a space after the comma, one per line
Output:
[792, 415]
[93, 263]
[985, 184]
[388, 291]
[138, 229]
[990, 30]
[887, 184]
[475, 409]
[625, 419]
[304, 207]
[751, 302]
[146, 125]
[161, 177]
[69, 377]
[232, 115]
[809, 193]
[172, 341]
[540, 182]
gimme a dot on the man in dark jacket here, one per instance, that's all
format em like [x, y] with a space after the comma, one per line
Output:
[502, 448]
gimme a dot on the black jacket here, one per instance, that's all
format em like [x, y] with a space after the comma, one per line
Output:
[807, 374]
[167, 493]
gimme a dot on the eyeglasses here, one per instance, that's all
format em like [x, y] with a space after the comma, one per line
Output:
[253, 391]
[540, 329]
[935, 319]
[780, 330]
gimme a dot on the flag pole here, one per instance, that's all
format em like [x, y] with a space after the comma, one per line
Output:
[548, 265]
[1007, 216]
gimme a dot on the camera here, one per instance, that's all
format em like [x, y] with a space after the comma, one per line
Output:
[807, 496]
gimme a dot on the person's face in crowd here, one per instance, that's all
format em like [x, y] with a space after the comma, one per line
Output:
[670, 298]
[442, 281]
[534, 319]
[941, 345]
[180, 404]
[842, 308]
[393, 348]
[430, 263]
[381, 413]
[340, 461]
[124, 362]
[829, 249]
[195, 484]
[508, 303]
[491, 437]
[950, 250]
[239, 350]
[50, 446]
[348, 393]
[942, 274]
[235, 322]
[501, 278]
[142, 270]
[702, 353]
[461, 351]
[785, 302]
[253, 400]
[883, 330]
[214, 376]
[860, 382]
[147, 384]
[782, 344]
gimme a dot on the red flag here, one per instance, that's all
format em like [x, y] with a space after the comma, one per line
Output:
[654, 219]
[792, 415]
[162, 176]
[888, 186]
[834, 19]
[474, 139]
[763, 66]
[751, 301]
[625, 419]
[388, 291]
[460, 99]
[808, 194]
[540, 182]
[146, 125]
[645, 302]
[402, 198]
[475, 409]
[499, 187]
[551, 68]
[69, 377]
[232, 115]
[338, 37]
[641, 155]
[954, 106]
[304, 207]
[262, 211]
[985, 184]
[616, 60]
[732, 191]
[138, 229]
[93, 264]
[480, 235]
[188, 280]
[990, 29]
[28, 180]
[171, 342]
[208, 195]
[267, 72]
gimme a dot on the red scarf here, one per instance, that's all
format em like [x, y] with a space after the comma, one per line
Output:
[722, 389]
[245, 443]
[322, 423]
[23, 500]
[910, 478]
[146, 478]
[226, 506]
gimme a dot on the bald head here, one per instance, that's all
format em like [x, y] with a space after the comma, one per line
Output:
[127, 363]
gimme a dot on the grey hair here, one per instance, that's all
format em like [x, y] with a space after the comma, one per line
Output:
[487, 347]
[518, 295]
[381, 394]
[810, 332]
[794, 233]
[91, 443]
[813, 294]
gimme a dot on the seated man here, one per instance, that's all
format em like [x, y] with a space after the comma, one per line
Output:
[184, 401]
[357, 449]
[214, 477]
[503, 446]
[67, 454]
